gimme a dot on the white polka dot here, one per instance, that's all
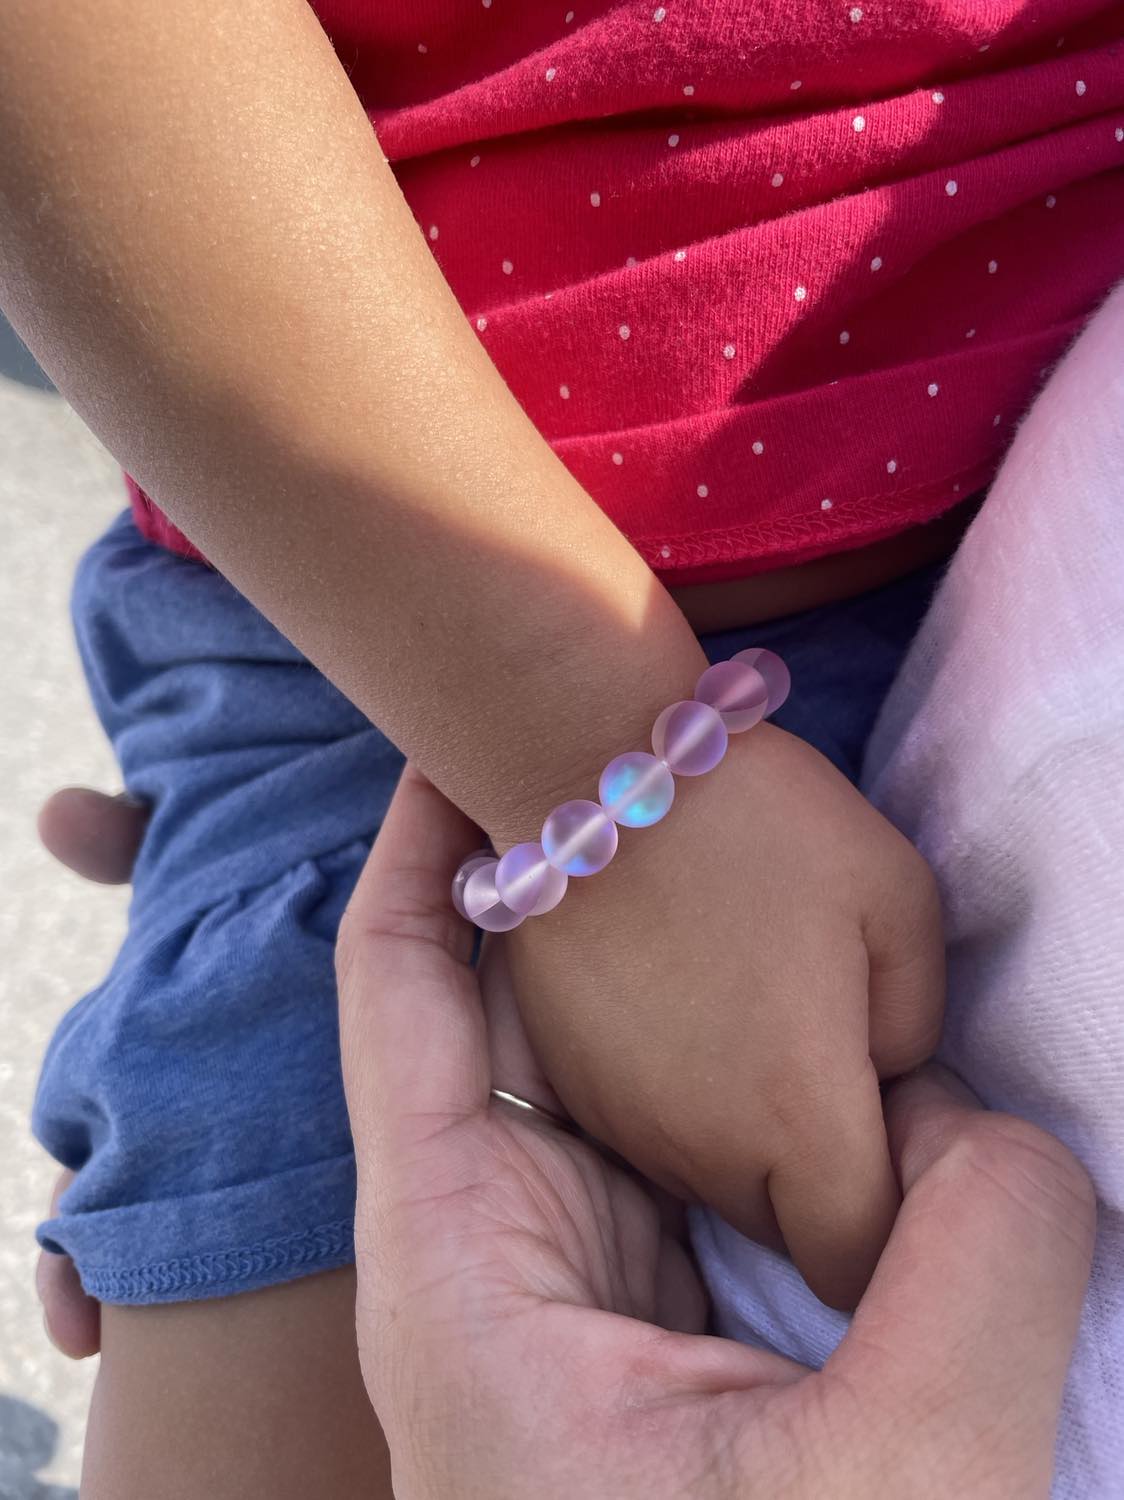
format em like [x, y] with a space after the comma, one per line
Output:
[564, 392]
[688, 89]
[759, 448]
[680, 255]
[986, 47]
[569, 17]
[625, 331]
[507, 268]
[938, 97]
[796, 84]
[992, 267]
[659, 13]
[892, 466]
[1080, 86]
[665, 551]
[932, 388]
[826, 504]
[487, 4]
[876, 263]
[800, 293]
[546, 296]
[1051, 201]
[550, 75]
[422, 48]
[970, 334]
[673, 140]
[728, 351]
[631, 262]
[433, 231]
[702, 492]
[1060, 42]
[1119, 132]
[858, 123]
[952, 187]
[996, 419]
[777, 178]
[481, 324]
[855, 14]
[844, 337]
[474, 161]
[595, 200]
[618, 459]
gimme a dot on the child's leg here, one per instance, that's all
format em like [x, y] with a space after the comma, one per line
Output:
[248, 1397]
[196, 1093]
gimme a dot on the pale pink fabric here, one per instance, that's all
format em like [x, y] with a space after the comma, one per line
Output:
[1001, 754]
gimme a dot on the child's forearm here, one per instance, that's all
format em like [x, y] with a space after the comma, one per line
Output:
[202, 242]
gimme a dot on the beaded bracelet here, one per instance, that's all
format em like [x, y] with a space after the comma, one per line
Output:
[636, 790]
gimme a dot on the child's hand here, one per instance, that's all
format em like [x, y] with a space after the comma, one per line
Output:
[720, 1003]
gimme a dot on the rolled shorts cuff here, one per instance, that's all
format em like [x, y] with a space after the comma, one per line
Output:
[310, 1209]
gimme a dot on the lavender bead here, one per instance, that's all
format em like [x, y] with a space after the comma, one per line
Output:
[473, 862]
[636, 789]
[690, 737]
[777, 677]
[482, 901]
[737, 690]
[527, 882]
[579, 838]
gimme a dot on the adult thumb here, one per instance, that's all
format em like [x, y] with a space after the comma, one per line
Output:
[412, 1033]
[963, 1339]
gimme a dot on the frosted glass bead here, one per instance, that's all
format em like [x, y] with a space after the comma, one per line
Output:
[528, 882]
[473, 862]
[579, 838]
[778, 680]
[690, 737]
[636, 789]
[737, 690]
[482, 901]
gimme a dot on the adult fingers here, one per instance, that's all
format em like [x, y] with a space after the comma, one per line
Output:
[905, 945]
[514, 1065]
[71, 1317]
[95, 835]
[411, 1025]
[835, 1194]
[966, 1332]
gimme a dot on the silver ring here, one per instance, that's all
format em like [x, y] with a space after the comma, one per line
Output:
[534, 1109]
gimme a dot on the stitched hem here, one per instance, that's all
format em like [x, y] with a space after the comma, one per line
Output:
[223, 1273]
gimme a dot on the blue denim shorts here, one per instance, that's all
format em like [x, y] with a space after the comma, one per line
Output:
[196, 1093]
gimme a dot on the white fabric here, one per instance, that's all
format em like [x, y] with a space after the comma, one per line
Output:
[1000, 753]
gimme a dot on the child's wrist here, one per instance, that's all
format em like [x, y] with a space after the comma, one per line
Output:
[594, 716]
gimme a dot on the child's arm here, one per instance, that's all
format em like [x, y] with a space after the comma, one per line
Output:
[203, 244]
[201, 241]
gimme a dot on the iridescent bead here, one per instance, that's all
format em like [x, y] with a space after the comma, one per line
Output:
[737, 690]
[690, 737]
[482, 902]
[579, 838]
[636, 789]
[777, 677]
[473, 862]
[528, 882]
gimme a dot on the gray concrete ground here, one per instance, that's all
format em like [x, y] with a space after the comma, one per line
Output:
[58, 487]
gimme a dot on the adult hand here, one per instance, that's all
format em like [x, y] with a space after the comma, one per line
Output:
[97, 837]
[518, 1300]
